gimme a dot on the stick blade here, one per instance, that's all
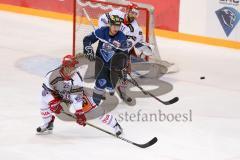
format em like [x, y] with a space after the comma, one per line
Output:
[174, 100]
[148, 144]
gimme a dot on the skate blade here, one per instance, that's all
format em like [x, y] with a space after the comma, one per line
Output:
[44, 133]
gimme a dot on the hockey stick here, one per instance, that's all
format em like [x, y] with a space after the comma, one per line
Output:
[134, 82]
[89, 19]
[145, 145]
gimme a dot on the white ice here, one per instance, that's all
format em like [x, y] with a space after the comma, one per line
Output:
[213, 134]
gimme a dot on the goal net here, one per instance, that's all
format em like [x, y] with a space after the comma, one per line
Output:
[87, 12]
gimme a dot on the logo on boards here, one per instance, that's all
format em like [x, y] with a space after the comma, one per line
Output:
[228, 18]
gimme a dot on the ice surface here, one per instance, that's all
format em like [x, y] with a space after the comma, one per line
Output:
[30, 46]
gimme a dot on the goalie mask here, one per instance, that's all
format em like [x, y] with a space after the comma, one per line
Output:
[68, 66]
[132, 12]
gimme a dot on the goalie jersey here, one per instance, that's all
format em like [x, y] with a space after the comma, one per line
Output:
[108, 45]
[132, 31]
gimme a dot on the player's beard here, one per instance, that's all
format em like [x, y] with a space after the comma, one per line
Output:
[67, 72]
[131, 17]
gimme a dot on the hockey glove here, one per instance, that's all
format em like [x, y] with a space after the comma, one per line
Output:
[55, 106]
[80, 117]
[146, 49]
[89, 53]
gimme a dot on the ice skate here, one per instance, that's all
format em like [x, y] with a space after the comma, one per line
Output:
[46, 128]
[118, 129]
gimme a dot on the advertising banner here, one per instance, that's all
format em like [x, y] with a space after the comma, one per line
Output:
[223, 19]
[62, 6]
[166, 12]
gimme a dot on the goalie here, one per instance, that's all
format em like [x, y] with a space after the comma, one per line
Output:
[134, 35]
[130, 28]
[65, 84]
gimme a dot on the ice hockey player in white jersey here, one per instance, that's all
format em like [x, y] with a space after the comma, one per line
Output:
[134, 34]
[129, 27]
[65, 84]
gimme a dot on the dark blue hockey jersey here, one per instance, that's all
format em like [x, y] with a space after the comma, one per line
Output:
[108, 45]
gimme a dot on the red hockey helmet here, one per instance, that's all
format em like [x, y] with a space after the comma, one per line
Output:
[68, 66]
[69, 61]
[133, 7]
[132, 13]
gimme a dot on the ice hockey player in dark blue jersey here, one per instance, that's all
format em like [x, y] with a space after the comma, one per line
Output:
[111, 56]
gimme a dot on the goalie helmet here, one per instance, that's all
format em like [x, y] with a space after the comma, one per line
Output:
[133, 7]
[132, 13]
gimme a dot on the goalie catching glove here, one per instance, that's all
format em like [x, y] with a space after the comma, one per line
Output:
[89, 53]
[146, 49]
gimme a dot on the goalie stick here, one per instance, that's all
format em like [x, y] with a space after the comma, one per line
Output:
[145, 145]
[134, 82]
